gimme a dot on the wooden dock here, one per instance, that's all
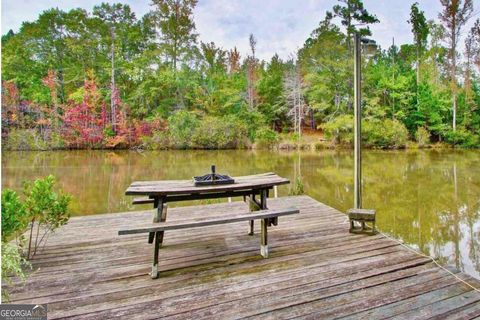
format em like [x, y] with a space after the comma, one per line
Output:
[316, 270]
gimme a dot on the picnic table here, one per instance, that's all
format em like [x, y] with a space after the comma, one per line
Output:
[254, 188]
[163, 191]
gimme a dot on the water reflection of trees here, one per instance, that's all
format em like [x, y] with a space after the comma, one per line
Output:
[429, 199]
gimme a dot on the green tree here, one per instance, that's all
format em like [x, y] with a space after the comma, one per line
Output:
[117, 21]
[454, 16]
[270, 92]
[420, 33]
[352, 13]
[214, 57]
[174, 20]
[472, 55]
[326, 64]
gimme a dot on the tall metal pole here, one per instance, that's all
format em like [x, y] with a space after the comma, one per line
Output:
[358, 116]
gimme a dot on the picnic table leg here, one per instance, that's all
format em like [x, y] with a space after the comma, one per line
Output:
[263, 206]
[156, 250]
[265, 223]
[157, 237]
[263, 238]
[151, 235]
[159, 216]
[253, 205]
[156, 205]
[163, 218]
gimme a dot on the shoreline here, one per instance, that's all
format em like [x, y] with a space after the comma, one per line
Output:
[281, 146]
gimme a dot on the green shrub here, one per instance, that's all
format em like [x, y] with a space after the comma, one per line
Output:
[384, 134]
[294, 137]
[185, 130]
[289, 138]
[46, 208]
[14, 223]
[14, 216]
[252, 120]
[422, 136]
[159, 140]
[108, 132]
[396, 133]
[13, 265]
[305, 146]
[42, 207]
[463, 138]
[31, 139]
[266, 138]
[375, 133]
[297, 188]
[24, 139]
[320, 146]
[219, 133]
[339, 130]
[181, 128]
[56, 141]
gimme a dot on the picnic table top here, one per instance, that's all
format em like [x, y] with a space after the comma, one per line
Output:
[180, 187]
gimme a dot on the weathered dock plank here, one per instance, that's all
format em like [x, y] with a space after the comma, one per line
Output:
[316, 270]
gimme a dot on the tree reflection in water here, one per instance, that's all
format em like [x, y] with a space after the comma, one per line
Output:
[429, 199]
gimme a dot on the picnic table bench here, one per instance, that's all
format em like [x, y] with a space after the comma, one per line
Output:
[159, 193]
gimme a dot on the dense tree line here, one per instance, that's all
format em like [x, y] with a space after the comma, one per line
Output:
[108, 78]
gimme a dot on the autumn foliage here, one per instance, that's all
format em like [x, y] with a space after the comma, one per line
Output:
[85, 124]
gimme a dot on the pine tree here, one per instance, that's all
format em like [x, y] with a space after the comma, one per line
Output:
[233, 60]
[118, 19]
[174, 20]
[454, 16]
[420, 34]
[472, 58]
[351, 14]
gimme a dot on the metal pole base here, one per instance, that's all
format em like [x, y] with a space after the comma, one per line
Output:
[264, 251]
[154, 273]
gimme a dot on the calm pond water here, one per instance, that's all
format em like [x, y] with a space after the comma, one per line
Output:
[429, 199]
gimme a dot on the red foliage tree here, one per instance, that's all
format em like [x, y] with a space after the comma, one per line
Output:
[10, 105]
[85, 122]
[128, 133]
[52, 114]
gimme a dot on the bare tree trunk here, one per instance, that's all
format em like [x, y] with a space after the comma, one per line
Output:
[299, 103]
[30, 240]
[251, 83]
[312, 120]
[294, 98]
[454, 124]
